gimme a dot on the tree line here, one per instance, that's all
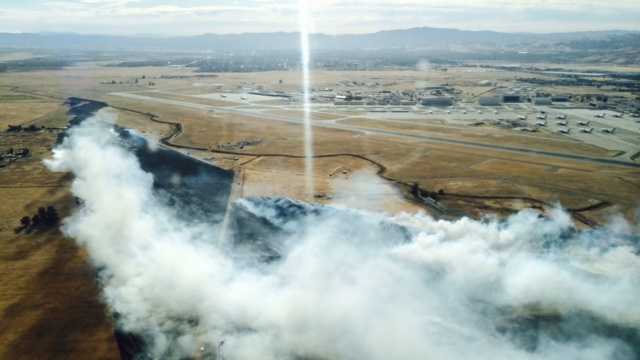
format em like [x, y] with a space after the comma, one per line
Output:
[44, 219]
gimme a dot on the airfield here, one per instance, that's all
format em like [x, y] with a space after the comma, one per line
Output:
[446, 161]
[456, 150]
[461, 151]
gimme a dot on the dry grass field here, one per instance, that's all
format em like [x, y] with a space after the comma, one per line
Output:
[19, 108]
[299, 114]
[95, 81]
[434, 166]
[488, 135]
[454, 169]
[191, 98]
[49, 302]
[48, 294]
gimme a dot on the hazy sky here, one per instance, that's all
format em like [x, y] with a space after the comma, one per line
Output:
[182, 17]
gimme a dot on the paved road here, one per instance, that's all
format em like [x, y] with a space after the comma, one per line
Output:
[364, 130]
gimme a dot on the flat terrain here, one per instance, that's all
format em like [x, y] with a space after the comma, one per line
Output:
[440, 150]
[365, 157]
[49, 301]
[454, 168]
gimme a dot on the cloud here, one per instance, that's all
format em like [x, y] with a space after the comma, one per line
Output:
[331, 16]
[346, 283]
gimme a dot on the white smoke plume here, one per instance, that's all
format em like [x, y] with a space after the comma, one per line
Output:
[362, 190]
[344, 288]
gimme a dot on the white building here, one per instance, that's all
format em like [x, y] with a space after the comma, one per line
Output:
[490, 100]
[542, 101]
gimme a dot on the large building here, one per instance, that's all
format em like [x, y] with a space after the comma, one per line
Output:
[490, 100]
[437, 101]
[542, 101]
[512, 98]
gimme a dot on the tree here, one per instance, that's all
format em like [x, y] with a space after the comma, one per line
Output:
[52, 217]
[35, 220]
[25, 221]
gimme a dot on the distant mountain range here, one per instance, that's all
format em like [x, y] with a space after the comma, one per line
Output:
[423, 38]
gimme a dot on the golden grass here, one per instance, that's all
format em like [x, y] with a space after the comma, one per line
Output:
[296, 114]
[49, 299]
[191, 99]
[434, 166]
[18, 113]
[546, 142]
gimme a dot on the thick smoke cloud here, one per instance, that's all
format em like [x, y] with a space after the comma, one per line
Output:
[349, 284]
